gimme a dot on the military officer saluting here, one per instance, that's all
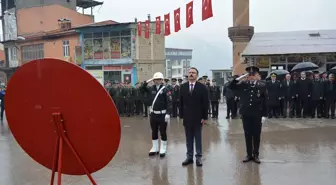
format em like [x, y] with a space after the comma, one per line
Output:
[253, 109]
[161, 105]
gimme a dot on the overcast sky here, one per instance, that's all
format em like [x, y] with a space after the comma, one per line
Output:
[208, 39]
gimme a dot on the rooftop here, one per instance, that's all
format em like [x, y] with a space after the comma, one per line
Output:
[88, 3]
[178, 49]
[291, 42]
[221, 70]
[98, 24]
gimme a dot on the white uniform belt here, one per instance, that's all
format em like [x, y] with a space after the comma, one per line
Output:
[159, 112]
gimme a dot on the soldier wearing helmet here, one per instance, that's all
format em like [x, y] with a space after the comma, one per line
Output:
[160, 110]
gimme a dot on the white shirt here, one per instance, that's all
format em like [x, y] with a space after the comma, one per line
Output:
[157, 87]
[193, 83]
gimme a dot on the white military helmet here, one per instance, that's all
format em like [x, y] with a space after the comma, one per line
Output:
[157, 75]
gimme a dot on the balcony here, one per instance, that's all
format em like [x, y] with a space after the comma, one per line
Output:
[241, 33]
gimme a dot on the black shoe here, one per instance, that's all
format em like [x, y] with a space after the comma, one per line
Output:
[187, 162]
[152, 153]
[199, 162]
[247, 159]
[256, 159]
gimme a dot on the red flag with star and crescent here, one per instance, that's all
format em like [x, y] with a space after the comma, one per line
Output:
[189, 14]
[158, 25]
[139, 28]
[206, 9]
[147, 27]
[167, 24]
[177, 23]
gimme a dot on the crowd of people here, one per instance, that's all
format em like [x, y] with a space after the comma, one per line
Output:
[306, 95]
[131, 101]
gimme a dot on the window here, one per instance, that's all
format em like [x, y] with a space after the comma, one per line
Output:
[169, 73]
[179, 62]
[12, 53]
[66, 48]
[107, 45]
[188, 63]
[179, 71]
[184, 71]
[32, 52]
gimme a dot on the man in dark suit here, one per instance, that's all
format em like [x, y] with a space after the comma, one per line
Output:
[253, 110]
[194, 105]
[230, 100]
[305, 87]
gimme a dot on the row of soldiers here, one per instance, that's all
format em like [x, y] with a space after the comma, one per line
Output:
[305, 95]
[132, 101]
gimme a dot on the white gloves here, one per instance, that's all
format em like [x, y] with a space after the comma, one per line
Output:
[242, 76]
[149, 80]
[167, 118]
[263, 120]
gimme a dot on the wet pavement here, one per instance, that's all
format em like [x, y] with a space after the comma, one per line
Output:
[293, 152]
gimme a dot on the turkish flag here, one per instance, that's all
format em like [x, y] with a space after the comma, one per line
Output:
[189, 14]
[167, 24]
[158, 25]
[139, 28]
[177, 24]
[206, 9]
[147, 24]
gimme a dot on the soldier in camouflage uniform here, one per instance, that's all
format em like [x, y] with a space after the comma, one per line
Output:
[175, 96]
[130, 92]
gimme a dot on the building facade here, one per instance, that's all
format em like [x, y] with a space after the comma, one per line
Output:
[178, 61]
[116, 53]
[283, 50]
[34, 29]
[221, 75]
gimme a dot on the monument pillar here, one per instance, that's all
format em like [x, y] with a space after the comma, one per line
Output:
[240, 34]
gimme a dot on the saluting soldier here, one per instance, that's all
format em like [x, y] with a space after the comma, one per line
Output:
[175, 97]
[161, 105]
[215, 96]
[253, 109]
[273, 96]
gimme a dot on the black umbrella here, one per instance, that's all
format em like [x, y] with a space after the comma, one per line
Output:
[280, 73]
[332, 70]
[304, 66]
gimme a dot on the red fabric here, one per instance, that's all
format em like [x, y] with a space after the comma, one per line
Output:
[189, 14]
[147, 27]
[206, 9]
[167, 24]
[158, 25]
[177, 23]
[139, 28]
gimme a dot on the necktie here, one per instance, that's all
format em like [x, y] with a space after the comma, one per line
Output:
[191, 88]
